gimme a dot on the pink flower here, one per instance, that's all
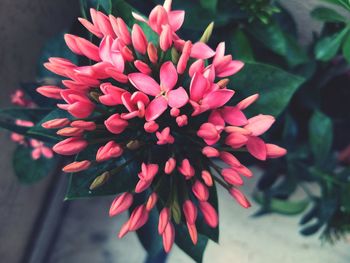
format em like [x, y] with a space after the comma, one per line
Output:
[120, 204]
[224, 65]
[39, 149]
[139, 39]
[77, 103]
[146, 176]
[135, 103]
[164, 137]
[18, 98]
[51, 92]
[164, 93]
[112, 95]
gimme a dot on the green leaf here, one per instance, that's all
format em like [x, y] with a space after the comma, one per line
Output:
[183, 240]
[275, 86]
[286, 207]
[346, 48]
[276, 39]
[28, 170]
[326, 14]
[209, 4]
[27, 114]
[343, 3]
[123, 181]
[54, 47]
[240, 47]
[320, 136]
[327, 47]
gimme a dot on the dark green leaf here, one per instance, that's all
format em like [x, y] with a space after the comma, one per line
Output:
[326, 14]
[275, 39]
[28, 170]
[275, 86]
[27, 114]
[122, 181]
[240, 46]
[327, 47]
[346, 48]
[102, 5]
[343, 3]
[286, 207]
[209, 4]
[320, 136]
[183, 240]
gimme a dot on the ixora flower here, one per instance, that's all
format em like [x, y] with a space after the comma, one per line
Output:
[173, 114]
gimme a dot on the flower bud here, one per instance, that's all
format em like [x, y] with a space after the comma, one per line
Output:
[55, 123]
[100, 180]
[192, 230]
[152, 53]
[70, 132]
[274, 151]
[70, 146]
[142, 67]
[139, 40]
[229, 159]
[247, 101]
[108, 151]
[209, 214]
[120, 204]
[138, 218]
[151, 202]
[200, 191]
[174, 112]
[85, 125]
[182, 120]
[76, 166]
[124, 229]
[51, 92]
[133, 145]
[164, 217]
[210, 152]
[168, 237]
[165, 38]
[231, 176]
[206, 176]
[115, 124]
[222, 83]
[151, 126]
[186, 169]
[240, 198]
[170, 166]
[207, 33]
[190, 211]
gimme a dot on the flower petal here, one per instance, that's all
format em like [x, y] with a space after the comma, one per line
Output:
[198, 87]
[168, 76]
[176, 19]
[156, 108]
[177, 98]
[202, 51]
[234, 116]
[218, 98]
[144, 83]
[257, 148]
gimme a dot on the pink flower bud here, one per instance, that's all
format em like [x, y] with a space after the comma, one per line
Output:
[170, 166]
[138, 218]
[209, 214]
[200, 191]
[139, 40]
[70, 132]
[174, 112]
[186, 169]
[182, 64]
[164, 217]
[142, 185]
[242, 170]
[142, 67]
[115, 124]
[236, 140]
[56, 123]
[91, 27]
[120, 204]
[76, 166]
[235, 129]
[168, 237]
[151, 126]
[151, 202]
[165, 38]
[108, 151]
[82, 46]
[120, 29]
[70, 146]
[85, 125]
[247, 101]
[231, 176]
[259, 124]
[182, 120]
[77, 103]
[117, 75]
[229, 159]
[51, 92]
[210, 152]
[274, 151]
[209, 133]
[112, 95]
[124, 229]
[103, 23]
[192, 230]
[127, 54]
[158, 18]
[240, 198]
[190, 211]
[206, 176]
[152, 53]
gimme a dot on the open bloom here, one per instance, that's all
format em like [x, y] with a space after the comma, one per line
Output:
[172, 119]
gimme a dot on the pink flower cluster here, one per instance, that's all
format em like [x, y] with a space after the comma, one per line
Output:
[38, 147]
[134, 87]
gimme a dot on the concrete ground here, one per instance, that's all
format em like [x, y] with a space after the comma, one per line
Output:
[88, 234]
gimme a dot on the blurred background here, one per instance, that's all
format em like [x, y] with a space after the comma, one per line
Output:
[37, 226]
